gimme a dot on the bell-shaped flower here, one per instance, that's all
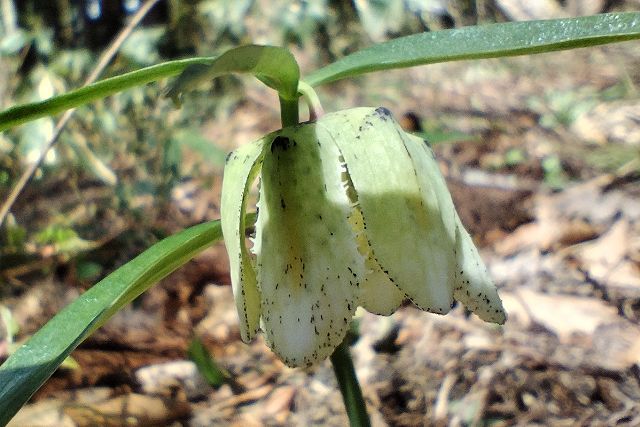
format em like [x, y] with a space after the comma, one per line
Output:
[352, 212]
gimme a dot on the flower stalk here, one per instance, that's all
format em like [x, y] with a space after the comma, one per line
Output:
[349, 386]
[289, 112]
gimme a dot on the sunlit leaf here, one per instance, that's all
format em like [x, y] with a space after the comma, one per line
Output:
[30, 366]
[274, 66]
[26, 112]
[486, 41]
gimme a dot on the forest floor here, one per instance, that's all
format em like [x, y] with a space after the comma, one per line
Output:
[548, 187]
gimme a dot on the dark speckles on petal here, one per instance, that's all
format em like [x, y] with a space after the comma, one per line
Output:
[280, 143]
[383, 112]
[306, 229]
[428, 144]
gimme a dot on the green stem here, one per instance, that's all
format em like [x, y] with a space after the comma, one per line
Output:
[349, 386]
[289, 112]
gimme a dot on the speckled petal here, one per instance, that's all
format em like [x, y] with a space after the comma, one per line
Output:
[308, 263]
[472, 285]
[402, 220]
[240, 171]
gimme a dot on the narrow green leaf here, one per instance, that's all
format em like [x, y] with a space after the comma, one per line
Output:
[30, 366]
[207, 366]
[274, 66]
[57, 104]
[486, 41]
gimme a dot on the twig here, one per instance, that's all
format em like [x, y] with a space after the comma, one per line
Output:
[9, 20]
[104, 60]
[441, 407]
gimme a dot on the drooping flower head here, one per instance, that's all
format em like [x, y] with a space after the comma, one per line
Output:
[352, 212]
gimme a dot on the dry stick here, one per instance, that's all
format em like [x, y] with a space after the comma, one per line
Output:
[9, 19]
[105, 58]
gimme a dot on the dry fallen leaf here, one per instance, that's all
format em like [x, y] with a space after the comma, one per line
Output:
[129, 410]
[606, 259]
[563, 315]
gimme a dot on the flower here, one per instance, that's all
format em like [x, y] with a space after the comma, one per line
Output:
[352, 212]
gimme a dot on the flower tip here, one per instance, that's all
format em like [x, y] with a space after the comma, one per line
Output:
[496, 315]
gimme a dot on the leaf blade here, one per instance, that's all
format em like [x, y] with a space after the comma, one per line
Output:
[274, 66]
[486, 41]
[26, 112]
[206, 364]
[33, 363]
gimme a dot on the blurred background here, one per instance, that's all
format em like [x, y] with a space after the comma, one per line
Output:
[541, 153]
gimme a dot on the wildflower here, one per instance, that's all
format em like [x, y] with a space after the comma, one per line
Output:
[352, 212]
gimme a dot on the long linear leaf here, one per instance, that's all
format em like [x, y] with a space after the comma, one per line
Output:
[486, 41]
[26, 112]
[30, 366]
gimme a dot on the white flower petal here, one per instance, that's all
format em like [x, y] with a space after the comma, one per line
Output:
[309, 267]
[240, 171]
[403, 222]
[473, 286]
[378, 294]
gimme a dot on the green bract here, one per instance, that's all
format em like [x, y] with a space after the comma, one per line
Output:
[353, 212]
